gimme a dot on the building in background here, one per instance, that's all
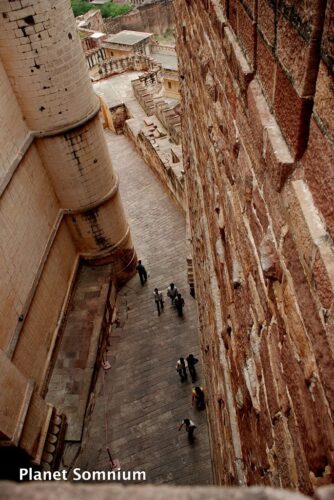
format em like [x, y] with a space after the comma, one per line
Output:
[127, 43]
[166, 56]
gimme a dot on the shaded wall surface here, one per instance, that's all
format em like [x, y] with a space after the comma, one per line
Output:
[257, 91]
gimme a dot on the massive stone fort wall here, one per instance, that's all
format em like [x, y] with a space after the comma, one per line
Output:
[59, 202]
[258, 130]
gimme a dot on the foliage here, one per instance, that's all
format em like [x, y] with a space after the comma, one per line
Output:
[113, 10]
[80, 7]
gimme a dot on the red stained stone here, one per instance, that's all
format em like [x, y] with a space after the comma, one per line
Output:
[318, 162]
[266, 20]
[327, 41]
[233, 15]
[266, 68]
[309, 312]
[278, 170]
[323, 285]
[324, 97]
[294, 125]
[292, 52]
[246, 33]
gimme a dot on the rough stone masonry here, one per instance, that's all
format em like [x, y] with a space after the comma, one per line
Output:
[258, 130]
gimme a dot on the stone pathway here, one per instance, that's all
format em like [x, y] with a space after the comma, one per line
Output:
[118, 90]
[140, 401]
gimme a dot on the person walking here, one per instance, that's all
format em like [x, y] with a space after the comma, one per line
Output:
[190, 427]
[191, 361]
[181, 368]
[172, 292]
[158, 299]
[142, 272]
[179, 304]
[198, 398]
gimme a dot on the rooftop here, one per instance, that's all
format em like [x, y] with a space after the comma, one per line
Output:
[127, 37]
[97, 34]
[166, 61]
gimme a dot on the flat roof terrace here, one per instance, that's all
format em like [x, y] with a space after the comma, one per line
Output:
[167, 61]
[127, 37]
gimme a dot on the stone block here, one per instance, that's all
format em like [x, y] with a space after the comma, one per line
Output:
[327, 42]
[318, 163]
[266, 20]
[233, 15]
[311, 319]
[293, 114]
[323, 276]
[265, 68]
[324, 98]
[292, 52]
[239, 66]
[247, 33]
[268, 136]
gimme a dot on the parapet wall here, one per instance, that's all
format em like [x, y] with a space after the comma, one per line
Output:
[118, 65]
[153, 105]
[257, 90]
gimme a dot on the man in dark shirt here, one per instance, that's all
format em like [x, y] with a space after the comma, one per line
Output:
[142, 272]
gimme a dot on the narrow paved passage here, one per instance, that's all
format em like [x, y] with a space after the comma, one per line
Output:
[141, 400]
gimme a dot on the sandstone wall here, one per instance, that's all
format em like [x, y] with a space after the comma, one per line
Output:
[59, 202]
[156, 17]
[257, 89]
[23, 227]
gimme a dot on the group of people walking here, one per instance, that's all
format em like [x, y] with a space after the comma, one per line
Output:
[197, 393]
[198, 398]
[182, 365]
[172, 292]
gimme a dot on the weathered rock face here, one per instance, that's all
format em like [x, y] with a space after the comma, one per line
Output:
[258, 94]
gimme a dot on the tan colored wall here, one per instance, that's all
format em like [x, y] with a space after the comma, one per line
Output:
[22, 411]
[58, 199]
[29, 209]
[32, 350]
[51, 83]
[259, 172]
[118, 53]
[80, 153]
[14, 134]
[173, 90]
[63, 112]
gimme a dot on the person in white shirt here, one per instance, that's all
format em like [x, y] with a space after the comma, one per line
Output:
[181, 368]
[158, 299]
[172, 292]
[190, 427]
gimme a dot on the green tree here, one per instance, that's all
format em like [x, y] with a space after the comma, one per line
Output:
[80, 7]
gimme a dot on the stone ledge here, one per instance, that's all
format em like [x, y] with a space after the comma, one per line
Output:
[68, 491]
[268, 135]
[239, 66]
